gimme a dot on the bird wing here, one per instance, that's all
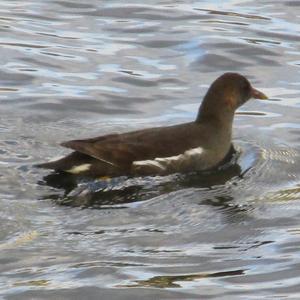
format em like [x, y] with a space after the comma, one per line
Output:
[123, 149]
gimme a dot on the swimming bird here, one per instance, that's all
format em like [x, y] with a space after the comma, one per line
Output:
[195, 146]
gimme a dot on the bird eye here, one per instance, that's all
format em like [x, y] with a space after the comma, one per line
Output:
[245, 86]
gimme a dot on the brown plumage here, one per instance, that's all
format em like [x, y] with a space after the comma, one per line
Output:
[164, 150]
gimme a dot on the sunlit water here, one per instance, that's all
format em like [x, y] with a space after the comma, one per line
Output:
[74, 69]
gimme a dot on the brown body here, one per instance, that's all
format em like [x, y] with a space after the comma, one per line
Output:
[210, 133]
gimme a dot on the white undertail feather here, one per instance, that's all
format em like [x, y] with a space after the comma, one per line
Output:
[189, 160]
[79, 169]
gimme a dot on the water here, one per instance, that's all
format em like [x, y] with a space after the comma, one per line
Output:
[72, 69]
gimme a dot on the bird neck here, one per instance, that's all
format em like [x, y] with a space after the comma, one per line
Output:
[213, 112]
[218, 104]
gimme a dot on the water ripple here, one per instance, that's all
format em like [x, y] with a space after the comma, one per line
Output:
[72, 70]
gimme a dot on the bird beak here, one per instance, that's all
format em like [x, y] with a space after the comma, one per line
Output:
[258, 94]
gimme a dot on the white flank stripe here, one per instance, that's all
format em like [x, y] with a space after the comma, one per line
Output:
[149, 164]
[79, 169]
[190, 160]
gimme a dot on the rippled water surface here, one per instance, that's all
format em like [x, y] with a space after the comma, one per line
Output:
[74, 69]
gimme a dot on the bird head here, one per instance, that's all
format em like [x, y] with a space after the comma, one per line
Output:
[227, 93]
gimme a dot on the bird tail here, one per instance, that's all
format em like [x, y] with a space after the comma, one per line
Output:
[65, 163]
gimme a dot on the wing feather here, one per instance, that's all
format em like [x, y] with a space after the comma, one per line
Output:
[122, 149]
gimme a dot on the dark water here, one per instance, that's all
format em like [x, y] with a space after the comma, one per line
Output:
[77, 69]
